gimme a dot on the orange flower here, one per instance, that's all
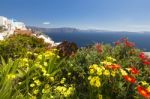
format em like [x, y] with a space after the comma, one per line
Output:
[130, 79]
[143, 91]
[113, 66]
[134, 70]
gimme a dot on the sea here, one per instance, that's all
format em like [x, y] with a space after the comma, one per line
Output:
[82, 39]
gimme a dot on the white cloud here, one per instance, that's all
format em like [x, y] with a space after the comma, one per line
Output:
[46, 23]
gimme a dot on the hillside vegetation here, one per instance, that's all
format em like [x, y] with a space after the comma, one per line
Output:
[30, 69]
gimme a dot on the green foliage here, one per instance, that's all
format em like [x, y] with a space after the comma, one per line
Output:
[17, 45]
[7, 86]
[96, 72]
[126, 55]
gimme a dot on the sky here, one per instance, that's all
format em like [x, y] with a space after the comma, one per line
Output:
[117, 15]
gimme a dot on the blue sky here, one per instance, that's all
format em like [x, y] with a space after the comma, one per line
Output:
[129, 15]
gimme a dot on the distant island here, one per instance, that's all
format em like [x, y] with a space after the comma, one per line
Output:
[74, 30]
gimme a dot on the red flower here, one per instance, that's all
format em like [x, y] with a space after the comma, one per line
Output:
[142, 56]
[129, 44]
[99, 47]
[117, 43]
[146, 62]
[134, 70]
[130, 79]
[144, 92]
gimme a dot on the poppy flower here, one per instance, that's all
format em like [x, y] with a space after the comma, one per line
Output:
[129, 79]
[143, 91]
[116, 66]
[146, 62]
[129, 44]
[117, 43]
[134, 70]
[99, 48]
[142, 56]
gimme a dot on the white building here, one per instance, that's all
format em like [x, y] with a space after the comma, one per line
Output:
[4, 22]
[10, 26]
[20, 25]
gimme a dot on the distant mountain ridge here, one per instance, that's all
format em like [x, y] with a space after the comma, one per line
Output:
[73, 30]
[53, 30]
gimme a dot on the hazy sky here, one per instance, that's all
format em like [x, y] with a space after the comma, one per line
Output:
[131, 15]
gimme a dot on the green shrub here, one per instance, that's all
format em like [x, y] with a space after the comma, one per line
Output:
[17, 45]
[96, 72]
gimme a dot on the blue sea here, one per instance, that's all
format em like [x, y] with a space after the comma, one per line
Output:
[82, 39]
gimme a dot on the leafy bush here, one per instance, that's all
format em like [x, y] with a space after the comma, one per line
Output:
[17, 45]
[96, 72]
[110, 83]
[67, 49]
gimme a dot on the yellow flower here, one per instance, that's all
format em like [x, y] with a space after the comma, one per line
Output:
[95, 81]
[39, 57]
[106, 63]
[61, 89]
[110, 59]
[38, 83]
[69, 74]
[106, 72]
[32, 97]
[69, 92]
[32, 85]
[34, 78]
[51, 79]
[99, 71]
[148, 88]
[100, 96]
[46, 74]
[63, 80]
[113, 73]
[29, 53]
[91, 71]
[35, 91]
[89, 78]
[19, 83]
[49, 54]
[25, 60]
[55, 49]
[123, 72]
[95, 66]
[58, 56]
[45, 90]
[35, 54]
[45, 64]
[44, 71]
[11, 76]
[64, 91]
[51, 97]
[144, 83]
